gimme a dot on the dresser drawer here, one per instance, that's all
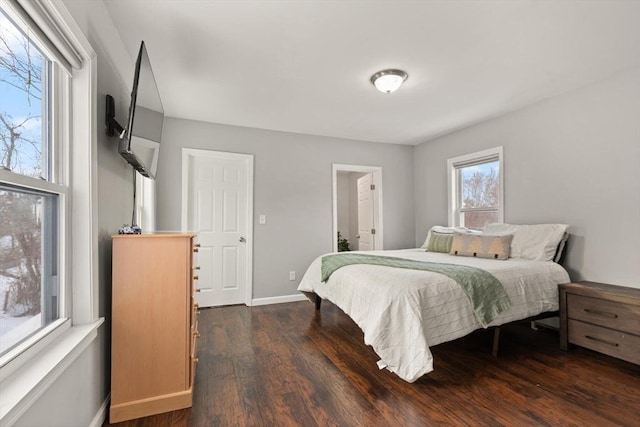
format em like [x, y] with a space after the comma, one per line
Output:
[194, 313]
[194, 362]
[608, 341]
[194, 340]
[610, 314]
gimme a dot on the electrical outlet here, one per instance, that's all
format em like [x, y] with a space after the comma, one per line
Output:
[262, 219]
[292, 275]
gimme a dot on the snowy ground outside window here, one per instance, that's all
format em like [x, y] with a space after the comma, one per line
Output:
[14, 329]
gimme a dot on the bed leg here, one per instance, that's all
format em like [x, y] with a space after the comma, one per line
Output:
[318, 302]
[496, 341]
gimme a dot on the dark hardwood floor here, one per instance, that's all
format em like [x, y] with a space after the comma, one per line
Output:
[286, 364]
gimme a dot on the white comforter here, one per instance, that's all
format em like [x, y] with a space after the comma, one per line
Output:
[402, 312]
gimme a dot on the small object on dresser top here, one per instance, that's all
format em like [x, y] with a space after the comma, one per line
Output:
[125, 229]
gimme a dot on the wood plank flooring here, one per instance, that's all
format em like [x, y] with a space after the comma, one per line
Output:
[288, 365]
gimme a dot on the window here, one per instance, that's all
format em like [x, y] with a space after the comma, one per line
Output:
[48, 153]
[31, 190]
[145, 201]
[47, 100]
[476, 189]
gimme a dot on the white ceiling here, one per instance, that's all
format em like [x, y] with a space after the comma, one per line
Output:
[304, 66]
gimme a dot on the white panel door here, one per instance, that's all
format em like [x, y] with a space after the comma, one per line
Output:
[366, 218]
[218, 210]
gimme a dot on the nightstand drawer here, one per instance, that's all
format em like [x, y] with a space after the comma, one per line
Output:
[610, 314]
[614, 343]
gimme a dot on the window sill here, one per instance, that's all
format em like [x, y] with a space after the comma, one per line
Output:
[21, 389]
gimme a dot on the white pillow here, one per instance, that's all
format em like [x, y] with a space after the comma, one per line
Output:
[447, 230]
[536, 242]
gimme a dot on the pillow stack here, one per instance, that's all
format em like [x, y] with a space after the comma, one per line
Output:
[543, 242]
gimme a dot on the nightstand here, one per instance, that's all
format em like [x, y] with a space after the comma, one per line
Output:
[601, 317]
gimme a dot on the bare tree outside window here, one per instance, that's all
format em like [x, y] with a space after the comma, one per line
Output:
[480, 186]
[480, 194]
[23, 150]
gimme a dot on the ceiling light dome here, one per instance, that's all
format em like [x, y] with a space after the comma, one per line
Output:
[388, 81]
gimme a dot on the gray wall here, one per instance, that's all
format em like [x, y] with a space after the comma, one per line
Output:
[571, 159]
[75, 397]
[292, 186]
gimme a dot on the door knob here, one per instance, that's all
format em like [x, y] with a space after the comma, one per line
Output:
[242, 240]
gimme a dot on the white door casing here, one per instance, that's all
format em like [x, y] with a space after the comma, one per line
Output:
[376, 172]
[217, 204]
[366, 213]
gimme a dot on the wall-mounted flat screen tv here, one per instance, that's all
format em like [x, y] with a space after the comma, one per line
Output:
[140, 141]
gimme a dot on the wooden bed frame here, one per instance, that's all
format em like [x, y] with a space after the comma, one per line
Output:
[496, 329]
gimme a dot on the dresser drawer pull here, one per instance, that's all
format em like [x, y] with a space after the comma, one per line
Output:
[195, 277]
[589, 337]
[196, 267]
[601, 313]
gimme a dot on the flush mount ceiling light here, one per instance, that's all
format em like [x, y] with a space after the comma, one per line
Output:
[388, 81]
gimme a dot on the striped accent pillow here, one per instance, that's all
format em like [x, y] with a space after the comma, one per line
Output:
[440, 242]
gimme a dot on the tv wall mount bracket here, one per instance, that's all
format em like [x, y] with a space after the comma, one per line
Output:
[112, 126]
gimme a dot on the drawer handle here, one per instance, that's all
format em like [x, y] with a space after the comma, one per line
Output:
[198, 289]
[196, 267]
[195, 250]
[601, 313]
[195, 277]
[197, 245]
[614, 344]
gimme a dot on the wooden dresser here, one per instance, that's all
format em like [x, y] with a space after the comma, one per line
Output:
[154, 324]
[601, 317]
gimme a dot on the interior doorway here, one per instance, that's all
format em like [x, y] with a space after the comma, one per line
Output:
[217, 203]
[357, 207]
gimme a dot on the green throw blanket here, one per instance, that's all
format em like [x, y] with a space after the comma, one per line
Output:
[486, 294]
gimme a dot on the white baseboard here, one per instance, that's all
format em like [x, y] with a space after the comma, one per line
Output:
[278, 300]
[101, 415]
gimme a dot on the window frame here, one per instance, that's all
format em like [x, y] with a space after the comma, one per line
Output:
[38, 361]
[55, 182]
[454, 183]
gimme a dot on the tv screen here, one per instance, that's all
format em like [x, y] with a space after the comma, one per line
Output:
[140, 142]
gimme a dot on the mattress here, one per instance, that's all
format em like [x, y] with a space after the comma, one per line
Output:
[403, 312]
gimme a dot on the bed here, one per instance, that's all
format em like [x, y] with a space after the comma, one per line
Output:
[403, 311]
